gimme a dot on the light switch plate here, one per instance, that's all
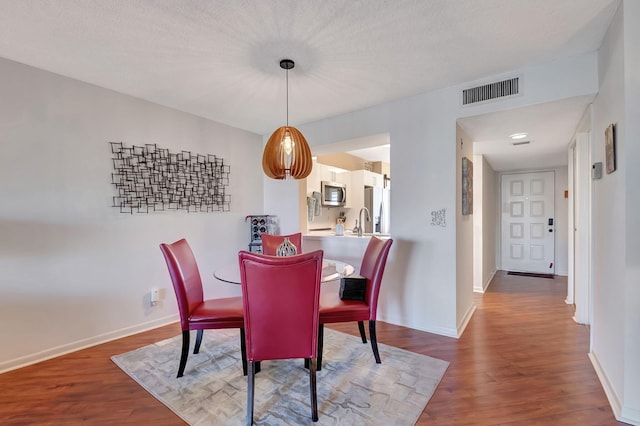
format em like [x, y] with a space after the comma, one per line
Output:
[596, 171]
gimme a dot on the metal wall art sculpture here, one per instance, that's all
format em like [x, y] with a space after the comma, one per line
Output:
[148, 178]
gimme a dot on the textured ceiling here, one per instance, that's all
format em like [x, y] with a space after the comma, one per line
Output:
[219, 59]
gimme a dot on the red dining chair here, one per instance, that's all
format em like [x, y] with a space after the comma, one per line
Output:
[333, 309]
[281, 305]
[270, 242]
[195, 312]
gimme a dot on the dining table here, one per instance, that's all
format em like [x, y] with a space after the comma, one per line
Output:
[332, 270]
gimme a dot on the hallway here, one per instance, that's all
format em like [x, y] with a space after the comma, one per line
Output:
[521, 360]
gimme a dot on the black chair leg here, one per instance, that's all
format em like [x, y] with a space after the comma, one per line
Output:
[243, 351]
[251, 380]
[374, 341]
[184, 353]
[196, 349]
[312, 389]
[320, 346]
[361, 328]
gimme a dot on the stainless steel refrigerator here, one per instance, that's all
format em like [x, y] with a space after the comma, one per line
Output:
[377, 201]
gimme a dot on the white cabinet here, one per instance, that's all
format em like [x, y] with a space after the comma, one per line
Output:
[356, 192]
[355, 196]
[314, 178]
[375, 180]
[326, 174]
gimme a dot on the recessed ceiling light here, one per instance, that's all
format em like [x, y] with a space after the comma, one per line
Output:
[518, 136]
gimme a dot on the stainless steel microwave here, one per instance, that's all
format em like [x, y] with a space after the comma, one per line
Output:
[334, 194]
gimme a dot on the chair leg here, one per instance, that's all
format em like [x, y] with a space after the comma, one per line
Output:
[184, 353]
[251, 381]
[312, 389]
[374, 341]
[243, 351]
[361, 328]
[196, 349]
[320, 346]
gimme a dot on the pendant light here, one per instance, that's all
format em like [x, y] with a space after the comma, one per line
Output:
[287, 154]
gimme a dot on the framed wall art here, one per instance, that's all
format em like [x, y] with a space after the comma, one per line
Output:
[610, 148]
[467, 186]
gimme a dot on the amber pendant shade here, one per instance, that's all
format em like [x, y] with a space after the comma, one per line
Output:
[287, 159]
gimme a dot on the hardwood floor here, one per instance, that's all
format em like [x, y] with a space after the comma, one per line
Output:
[521, 360]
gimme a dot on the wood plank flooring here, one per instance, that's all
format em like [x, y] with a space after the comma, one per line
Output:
[522, 360]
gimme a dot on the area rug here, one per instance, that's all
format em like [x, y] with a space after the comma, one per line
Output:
[352, 389]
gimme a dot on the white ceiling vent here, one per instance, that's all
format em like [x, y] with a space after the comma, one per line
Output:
[490, 91]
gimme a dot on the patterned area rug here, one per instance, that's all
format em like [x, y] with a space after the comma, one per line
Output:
[352, 388]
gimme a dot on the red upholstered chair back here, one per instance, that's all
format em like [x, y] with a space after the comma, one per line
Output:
[185, 276]
[270, 242]
[281, 298]
[372, 268]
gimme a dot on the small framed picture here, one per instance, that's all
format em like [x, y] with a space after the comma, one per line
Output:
[610, 148]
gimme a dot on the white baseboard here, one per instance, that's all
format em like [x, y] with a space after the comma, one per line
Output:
[442, 331]
[57, 351]
[485, 285]
[629, 416]
[465, 320]
[614, 401]
[622, 414]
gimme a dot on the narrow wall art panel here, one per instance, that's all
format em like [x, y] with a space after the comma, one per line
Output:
[467, 186]
[148, 179]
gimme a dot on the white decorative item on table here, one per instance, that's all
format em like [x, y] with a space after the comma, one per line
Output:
[286, 248]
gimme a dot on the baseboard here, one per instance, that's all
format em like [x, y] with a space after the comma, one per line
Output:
[621, 413]
[614, 401]
[485, 285]
[629, 416]
[442, 331]
[465, 320]
[57, 351]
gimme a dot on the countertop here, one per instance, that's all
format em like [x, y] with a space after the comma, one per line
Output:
[347, 235]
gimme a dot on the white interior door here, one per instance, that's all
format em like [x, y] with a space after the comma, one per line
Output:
[527, 222]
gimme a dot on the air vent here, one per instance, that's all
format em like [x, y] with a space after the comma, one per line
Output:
[520, 143]
[490, 91]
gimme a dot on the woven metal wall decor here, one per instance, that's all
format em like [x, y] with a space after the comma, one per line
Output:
[148, 178]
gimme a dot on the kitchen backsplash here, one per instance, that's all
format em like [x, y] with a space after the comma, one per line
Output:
[328, 217]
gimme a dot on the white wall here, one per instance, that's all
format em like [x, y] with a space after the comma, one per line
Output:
[631, 406]
[75, 271]
[615, 348]
[609, 216]
[464, 234]
[420, 285]
[486, 221]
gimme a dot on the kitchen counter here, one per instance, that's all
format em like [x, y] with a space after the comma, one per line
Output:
[347, 235]
[348, 248]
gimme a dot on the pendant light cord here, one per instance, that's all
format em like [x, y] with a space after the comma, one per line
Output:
[287, 98]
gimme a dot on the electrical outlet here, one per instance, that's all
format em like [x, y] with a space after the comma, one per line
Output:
[155, 297]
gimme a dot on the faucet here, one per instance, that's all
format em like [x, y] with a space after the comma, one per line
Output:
[367, 218]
